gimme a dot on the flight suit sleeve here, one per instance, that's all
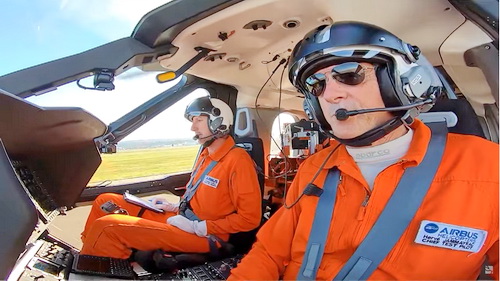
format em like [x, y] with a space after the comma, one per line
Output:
[271, 252]
[246, 197]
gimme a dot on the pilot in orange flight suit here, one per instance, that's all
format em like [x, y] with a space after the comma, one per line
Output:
[334, 71]
[227, 200]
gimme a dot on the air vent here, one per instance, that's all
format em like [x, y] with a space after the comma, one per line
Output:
[291, 24]
[256, 24]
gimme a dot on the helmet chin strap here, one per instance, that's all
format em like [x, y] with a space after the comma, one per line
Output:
[367, 138]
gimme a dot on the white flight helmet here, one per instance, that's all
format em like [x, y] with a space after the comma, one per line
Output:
[220, 115]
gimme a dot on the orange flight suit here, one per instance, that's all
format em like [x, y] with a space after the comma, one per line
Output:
[464, 192]
[234, 205]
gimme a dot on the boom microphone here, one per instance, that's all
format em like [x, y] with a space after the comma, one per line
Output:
[197, 137]
[342, 114]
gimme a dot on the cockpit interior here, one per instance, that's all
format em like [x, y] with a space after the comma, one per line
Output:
[237, 51]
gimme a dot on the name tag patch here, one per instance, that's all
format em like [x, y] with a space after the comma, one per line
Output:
[455, 237]
[212, 182]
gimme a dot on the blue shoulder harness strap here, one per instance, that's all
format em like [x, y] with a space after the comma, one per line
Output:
[319, 229]
[392, 222]
[191, 189]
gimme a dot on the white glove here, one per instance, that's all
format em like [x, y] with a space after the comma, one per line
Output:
[163, 204]
[196, 227]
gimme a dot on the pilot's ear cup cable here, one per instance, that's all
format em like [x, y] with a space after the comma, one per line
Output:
[311, 188]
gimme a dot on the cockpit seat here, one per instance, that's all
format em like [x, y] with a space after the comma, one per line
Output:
[459, 115]
[255, 149]
[239, 243]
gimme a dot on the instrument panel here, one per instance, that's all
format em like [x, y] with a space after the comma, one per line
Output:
[47, 259]
[41, 198]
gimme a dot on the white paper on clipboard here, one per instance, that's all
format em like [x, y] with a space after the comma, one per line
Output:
[141, 202]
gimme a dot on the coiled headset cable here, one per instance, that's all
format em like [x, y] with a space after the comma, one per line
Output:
[312, 189]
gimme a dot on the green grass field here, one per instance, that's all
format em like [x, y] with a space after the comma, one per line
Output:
[145, 162]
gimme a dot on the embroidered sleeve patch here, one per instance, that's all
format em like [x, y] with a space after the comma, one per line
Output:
[455, 237]
[212, 182]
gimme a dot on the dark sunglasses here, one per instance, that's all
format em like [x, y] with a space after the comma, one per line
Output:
[349, 73]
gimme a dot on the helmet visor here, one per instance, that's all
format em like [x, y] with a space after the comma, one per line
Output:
[198, 107]
[309, 65]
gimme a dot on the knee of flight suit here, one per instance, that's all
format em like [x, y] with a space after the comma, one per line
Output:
[108, 220]
[102, 238]
[108, 197]
[105, 222]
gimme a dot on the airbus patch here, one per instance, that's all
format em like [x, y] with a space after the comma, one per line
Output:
[455, 237]
[212, 182]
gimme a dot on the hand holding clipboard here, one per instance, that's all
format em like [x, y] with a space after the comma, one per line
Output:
[141, 202]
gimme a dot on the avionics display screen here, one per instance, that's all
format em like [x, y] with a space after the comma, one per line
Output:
[46, 267]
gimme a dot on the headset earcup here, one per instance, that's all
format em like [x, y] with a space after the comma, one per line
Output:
[312, 106]
[387, 87]
[422, 88]
[215, 124]
[391, 96]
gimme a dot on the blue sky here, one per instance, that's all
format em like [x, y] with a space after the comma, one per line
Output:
[41, 30]
[37, 31]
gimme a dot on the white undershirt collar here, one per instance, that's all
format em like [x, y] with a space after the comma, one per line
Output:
[372, 160]
[392, 150]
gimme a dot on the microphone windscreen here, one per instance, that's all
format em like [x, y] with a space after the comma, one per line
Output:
[341, 114]
[196, 137]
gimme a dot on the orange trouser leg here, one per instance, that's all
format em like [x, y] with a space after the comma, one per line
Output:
[96, 212]
[115, 236]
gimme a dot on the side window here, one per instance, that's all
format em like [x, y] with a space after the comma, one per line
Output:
[278, 137]
[162, 146]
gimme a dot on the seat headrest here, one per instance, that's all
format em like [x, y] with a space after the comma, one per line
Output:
[467, 123]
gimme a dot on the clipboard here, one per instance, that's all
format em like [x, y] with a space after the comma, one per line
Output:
[141, 202]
